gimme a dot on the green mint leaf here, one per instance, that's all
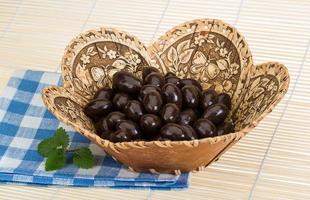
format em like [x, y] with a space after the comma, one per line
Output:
[59, 140]
[46, 146]
[55, 149]
[83, 158]
[62, 138]
[56, 159]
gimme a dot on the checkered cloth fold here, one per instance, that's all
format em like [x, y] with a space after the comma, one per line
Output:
[24, 122]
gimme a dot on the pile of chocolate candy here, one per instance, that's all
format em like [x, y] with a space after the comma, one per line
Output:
[159, 107]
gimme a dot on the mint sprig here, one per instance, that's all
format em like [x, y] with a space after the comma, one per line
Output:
[83, 158]
[62, 138]
[55, 149]
[55, 160]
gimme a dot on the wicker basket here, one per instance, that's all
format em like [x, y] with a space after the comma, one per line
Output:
[207, 50]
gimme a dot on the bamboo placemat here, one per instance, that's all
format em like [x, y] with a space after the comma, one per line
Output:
[272, 162]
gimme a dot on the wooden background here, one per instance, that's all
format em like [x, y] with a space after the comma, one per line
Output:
[272, 162]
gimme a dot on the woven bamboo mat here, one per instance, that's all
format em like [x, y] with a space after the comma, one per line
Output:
[272, 162]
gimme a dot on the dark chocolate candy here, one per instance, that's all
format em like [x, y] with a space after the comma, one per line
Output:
[224, 99]
[134, 110]
[120, 136]
[147, 70]
[130, 127]
[113, 118]
[189, 132]
[150, 125]
[152, 102]
[170, 113]
[154, 78]
[126, 82]
[225, 128]
[188, 117]
[189, 81]
[216, 113]
[190, 96]
[104, 93]
[208, 98]
[148, 88]
[205, 128]
[98, 108]
[172, 94]
[120, 100]
[172, 131]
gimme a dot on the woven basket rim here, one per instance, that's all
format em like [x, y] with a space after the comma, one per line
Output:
[215, 21]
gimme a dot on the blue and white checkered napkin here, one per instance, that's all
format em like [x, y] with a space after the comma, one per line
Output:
[24, 122]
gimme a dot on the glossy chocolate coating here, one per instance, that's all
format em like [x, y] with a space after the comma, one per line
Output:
[139, 98]
[147, 70]
[102, 126]
[130, 127]
[120, 136]
[152, 102]
[174, 80]
[150, 125]
[189, 81]
[105, 135]
[172, 94]
[154, 78]
[224, 99]
[113, 118]
[126, 82]
[98, 108]
[172, 131]
[188, 117]
[198, 111]
[134, 110]
[120, 100]
[225, 128]
[163, 122]
[190, 96]
[189, 132]
[216, 113]
[158, 138]
[170, 113]
[169, 74]
[104, 93]
[205, 128]
[208, 98]
[147, 89]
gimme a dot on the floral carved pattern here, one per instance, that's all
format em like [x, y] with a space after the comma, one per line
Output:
[266, 84]
[207, 57]
[91, 59]
[262, 90]
[96, 63]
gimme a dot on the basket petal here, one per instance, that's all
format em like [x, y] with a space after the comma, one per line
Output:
[67, 108]
[89, 57]
[215, 43]
[266, 86]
